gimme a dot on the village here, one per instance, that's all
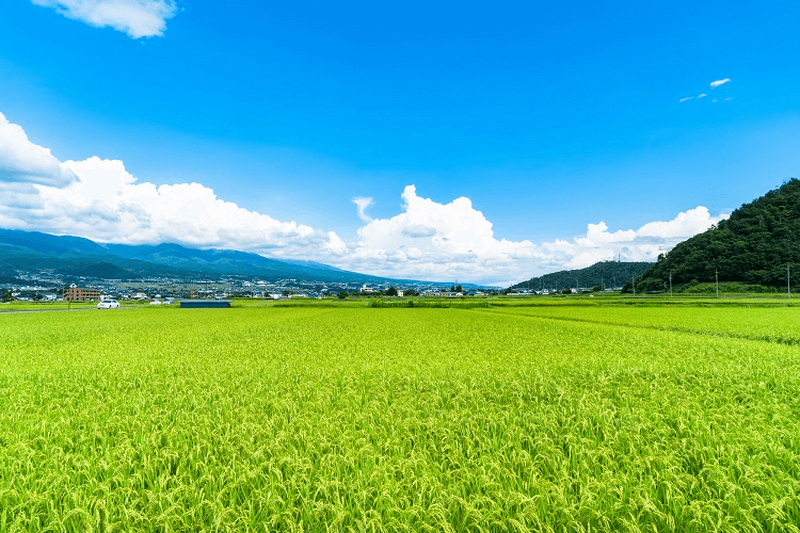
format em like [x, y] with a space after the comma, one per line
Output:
[44, 287]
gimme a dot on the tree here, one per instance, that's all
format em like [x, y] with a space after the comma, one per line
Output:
[6, 296]
[391, 291]
[343, 295]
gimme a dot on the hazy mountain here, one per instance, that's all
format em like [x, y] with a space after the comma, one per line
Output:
[49, 244]
[34, 252]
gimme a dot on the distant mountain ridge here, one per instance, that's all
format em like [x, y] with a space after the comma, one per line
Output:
[33, 252]
[604, 273]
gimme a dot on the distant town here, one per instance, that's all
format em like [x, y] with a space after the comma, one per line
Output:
[45, 287]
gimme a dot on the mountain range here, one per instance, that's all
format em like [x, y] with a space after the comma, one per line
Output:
[29, 253]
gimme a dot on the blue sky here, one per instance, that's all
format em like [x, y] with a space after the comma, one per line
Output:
[536, 136]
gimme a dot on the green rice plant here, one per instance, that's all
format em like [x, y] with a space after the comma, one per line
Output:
[361, 419]
[772, 324]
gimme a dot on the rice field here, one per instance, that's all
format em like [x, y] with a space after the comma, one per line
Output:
[779, 324]
[362, 419]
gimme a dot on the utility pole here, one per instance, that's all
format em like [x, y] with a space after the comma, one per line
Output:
[71, 296]
[716, 278]
[670, 283]
[633, 282]
[788, 281]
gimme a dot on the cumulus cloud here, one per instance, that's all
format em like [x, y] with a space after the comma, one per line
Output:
[137, 18]
[100, 200]
[362, 203]
[715, 84]
[688, 223]
[431, 240]
[23, 161]
[108, 204]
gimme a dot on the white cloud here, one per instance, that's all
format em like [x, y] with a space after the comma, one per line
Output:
[715, 84]
[23, 161]
[684, 225]
[644, 244]
[362, 203]
[703, 95]
[431, 240]
[686, 99]
[100, 200]
[137, 18]
[108, 204]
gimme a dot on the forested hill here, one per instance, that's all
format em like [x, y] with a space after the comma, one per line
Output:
[605, 274]
[755, 245]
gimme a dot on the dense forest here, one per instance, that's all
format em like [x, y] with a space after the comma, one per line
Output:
[605, 274]
[756, 245]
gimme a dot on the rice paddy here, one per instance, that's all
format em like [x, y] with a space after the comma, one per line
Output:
[360, 419]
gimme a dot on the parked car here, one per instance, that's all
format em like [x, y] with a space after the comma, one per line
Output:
[108, 304]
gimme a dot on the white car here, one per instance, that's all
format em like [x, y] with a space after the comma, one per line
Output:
[108, 304]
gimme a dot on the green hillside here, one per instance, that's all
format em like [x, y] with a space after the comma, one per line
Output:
[604, 274]
[754, 246]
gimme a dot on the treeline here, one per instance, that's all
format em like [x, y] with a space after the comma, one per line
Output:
[756, 246]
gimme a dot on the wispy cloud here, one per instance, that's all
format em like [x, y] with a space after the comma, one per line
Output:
[714, 85]
[137, 18]
[362, 203]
